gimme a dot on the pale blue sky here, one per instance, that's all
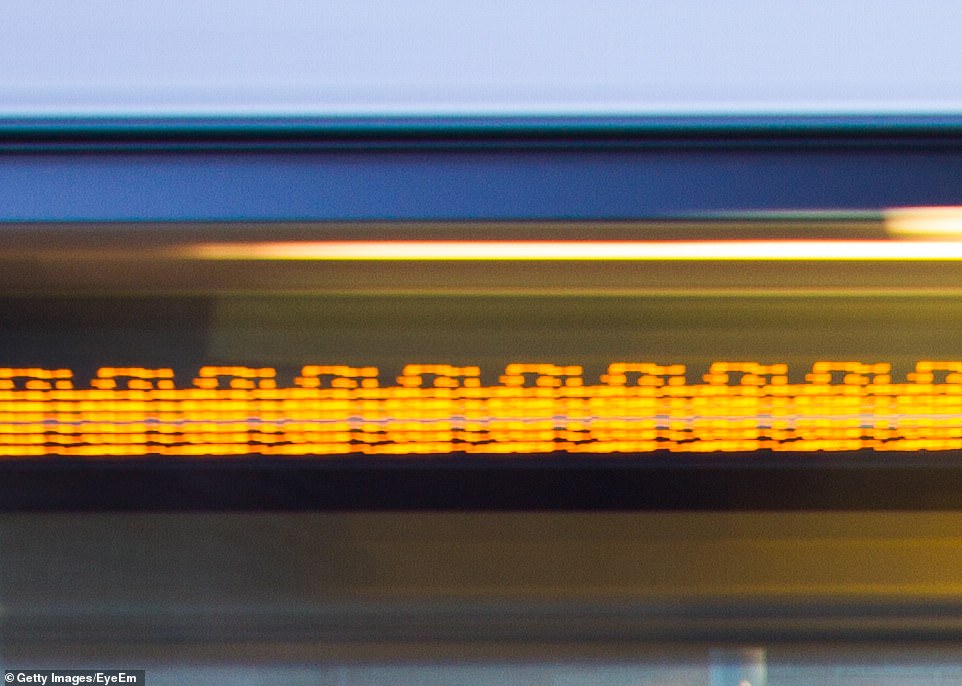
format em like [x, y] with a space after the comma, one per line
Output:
[319, 57]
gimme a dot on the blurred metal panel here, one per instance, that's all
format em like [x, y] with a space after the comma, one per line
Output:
[386, 586]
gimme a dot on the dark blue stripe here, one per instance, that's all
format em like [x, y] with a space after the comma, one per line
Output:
[481, 184]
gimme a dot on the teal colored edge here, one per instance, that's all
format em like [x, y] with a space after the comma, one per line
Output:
[480, 125]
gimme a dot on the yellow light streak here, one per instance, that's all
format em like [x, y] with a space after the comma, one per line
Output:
[806, 250]
[536, 408]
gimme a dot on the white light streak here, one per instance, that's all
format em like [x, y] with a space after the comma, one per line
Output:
[779, 250]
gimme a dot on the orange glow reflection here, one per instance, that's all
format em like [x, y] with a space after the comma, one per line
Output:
[635, 407]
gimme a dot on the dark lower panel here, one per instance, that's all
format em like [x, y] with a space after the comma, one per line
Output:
[432, 586]
[756, 481]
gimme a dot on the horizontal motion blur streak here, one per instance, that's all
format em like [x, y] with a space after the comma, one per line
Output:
[807, 250]
[439, 409]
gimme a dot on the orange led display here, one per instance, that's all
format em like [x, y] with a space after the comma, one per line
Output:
[442, 409]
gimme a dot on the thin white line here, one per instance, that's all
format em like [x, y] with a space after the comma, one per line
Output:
[810, 250]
